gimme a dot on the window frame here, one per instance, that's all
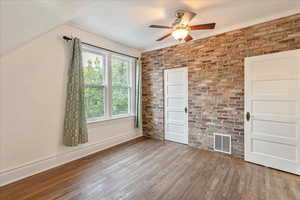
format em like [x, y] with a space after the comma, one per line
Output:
[107, 84]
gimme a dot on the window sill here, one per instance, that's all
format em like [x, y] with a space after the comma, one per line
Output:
[99, 120]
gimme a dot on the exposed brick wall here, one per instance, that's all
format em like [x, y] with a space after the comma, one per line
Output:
[216, 79]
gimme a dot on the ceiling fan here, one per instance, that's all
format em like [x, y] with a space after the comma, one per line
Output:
[180, 27]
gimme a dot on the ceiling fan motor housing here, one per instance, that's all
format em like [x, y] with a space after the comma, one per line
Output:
[183, 18]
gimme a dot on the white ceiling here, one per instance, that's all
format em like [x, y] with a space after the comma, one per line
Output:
[23, 20]
[127, 21]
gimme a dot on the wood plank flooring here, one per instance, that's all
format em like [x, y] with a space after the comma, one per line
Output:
[148, 169]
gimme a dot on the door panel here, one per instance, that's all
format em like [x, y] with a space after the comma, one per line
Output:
[272, 94]
[175, 90]
[173, 102]
[175, 85]
[275, 88]
[175, 116]
[274, 107]
[175, 128]
[277, 150]
[273, 128]
[275, 69]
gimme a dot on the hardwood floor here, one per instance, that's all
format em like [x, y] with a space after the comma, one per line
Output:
[148, 169]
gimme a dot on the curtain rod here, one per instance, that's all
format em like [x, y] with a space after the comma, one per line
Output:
[68, 38]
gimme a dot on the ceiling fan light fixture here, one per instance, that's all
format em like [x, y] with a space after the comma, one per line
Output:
[180, 34]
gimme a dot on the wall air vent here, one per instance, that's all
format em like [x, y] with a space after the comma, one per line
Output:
[222, 143]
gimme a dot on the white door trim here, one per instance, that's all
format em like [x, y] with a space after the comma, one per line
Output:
[184, 138]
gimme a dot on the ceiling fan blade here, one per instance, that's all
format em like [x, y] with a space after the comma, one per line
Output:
[159, 26]
[188, 38]
[203, 26]
[163, 37]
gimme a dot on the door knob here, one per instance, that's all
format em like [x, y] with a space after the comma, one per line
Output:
[248, 116]
[185, 109]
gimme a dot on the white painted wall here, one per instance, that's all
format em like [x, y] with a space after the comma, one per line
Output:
[32, 99]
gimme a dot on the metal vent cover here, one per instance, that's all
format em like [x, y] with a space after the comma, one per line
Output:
[222, 143]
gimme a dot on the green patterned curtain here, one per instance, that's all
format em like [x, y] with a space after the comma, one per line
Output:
[138, 91]
[75, 127]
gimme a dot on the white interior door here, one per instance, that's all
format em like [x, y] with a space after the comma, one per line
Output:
[176, 103]
[272, 94]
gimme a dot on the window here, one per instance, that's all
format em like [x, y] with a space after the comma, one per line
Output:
[121, 88]
[108, 82]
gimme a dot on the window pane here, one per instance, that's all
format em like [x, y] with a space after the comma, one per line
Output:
[94, 102]
[120, 72]
[93, 68]
[120, 98]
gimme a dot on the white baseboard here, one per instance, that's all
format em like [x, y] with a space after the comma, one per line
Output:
[20, 172]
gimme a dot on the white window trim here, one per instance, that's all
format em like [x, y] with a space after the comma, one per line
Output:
[107, 85]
